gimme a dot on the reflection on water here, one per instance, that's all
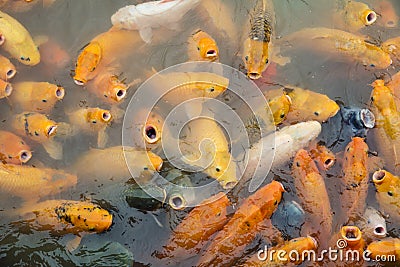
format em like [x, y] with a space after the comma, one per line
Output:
[136, 234]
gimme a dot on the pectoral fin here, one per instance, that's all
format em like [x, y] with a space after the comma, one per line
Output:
[54, 149]
[73, 244]
[146, 34]
[102, 138]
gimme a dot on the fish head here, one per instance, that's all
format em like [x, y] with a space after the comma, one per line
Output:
[255, 57]
[6, 89]
[208, 49]
[385, 183]
[98, 115]
[382, 97]
[376, 57]
[39, 126]
[152, 130]
[280, 107]
[84, 216]
[24, 156]
[29, 54]
[368, 17]
[352, 234]
[87, 62]
[303, 164]
[115, 90]
[156, 161]
[223, 169]
[210, 90]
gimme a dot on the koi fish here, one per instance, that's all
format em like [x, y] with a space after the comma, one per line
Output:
[36, 96]
[154, 14]
[353, 16]
[349, 47]
[91, 121]
[388, 16]
[13, 149]
[200, 224]
[68, 216]
[87, 63]
[6, 89]
[202, 47]
[389, 247]
[152, 130]
[38, 128]
[308, 105]
[300, 245]
[324, 158]
[355, 179]
[387, 124]
[372, 225]
[310, 188]
[392, 47]
[31, 183]
[279, 103]
[217, 161]
[352, 236]
[53, 55]
[7, 69]
[19, 43]
[241, 229]
[87, 165]
[387, 187]
[256, 50]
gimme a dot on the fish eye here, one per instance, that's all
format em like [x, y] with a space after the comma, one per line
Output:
[212, 89]
[198, 48]
[372, 65]
[390, 193]
[266, 61]
[246, 58]
[44, 100]
[218, 169]
[282, 115]
[93, 121]
[316, 113]
[372, 98]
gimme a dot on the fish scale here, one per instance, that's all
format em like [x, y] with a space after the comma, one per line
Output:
[261, 25]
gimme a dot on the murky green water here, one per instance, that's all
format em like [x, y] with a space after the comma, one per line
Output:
[135, 235]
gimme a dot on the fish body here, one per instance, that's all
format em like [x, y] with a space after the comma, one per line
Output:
[353, 16]
[18, 42]
[202, 47]
[308, 105]
[35, 126]
[350, 47]
[206, 135]
[279, 104]
[387, 124]
[324, 158]
[13, 149]
[88, 166]
[372, 225]
[389, 247]
[36, 96]
[256, 47]
[241, 229]
[87, 62]
[388, 193]
[289, 218]
[197, 227]
[154, 14]
[310, 187]
[7, 69]
[300, 245]
[355, 179]
[392, 47]
[388, 16]
[31, 183]
[68, 216]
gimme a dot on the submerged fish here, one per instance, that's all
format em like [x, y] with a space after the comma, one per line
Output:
[349, 47]
[145, 197]
[289, 218]
[67, 216]
[387, 126]
[202, 47]
[388, 193]
[353, 238]
[388, 16]
[7, 69]
[31, 184]
[308, 105]
[6, 89]
[256, 47]
[324, 158]
[13, 149]
[18, 42]
[311, 190]
[36, 96]
[372, 225]
[355, 179]
[353, 15]
[388, 248]
[154, 14]
[241, 229]
[108, 87]
[197, 227]
[205, 135]
[53, 55]
[279, 104]
[267, 258]
[392, 47]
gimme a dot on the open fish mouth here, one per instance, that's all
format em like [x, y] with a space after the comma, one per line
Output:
[378, 177]
[25, 156]
[380, 230]
[51, 130]
[351, 233]
[79, 82]
[370, 17]
[120, 94]
[106, 116]
[60, 93]
[177, 202]
[211, 53]
[150, 134]
[254, 75]
[328, 163]
[10, 73]
[2, 39]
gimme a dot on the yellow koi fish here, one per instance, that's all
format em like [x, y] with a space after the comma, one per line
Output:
[202, 47]
[279, 103]
[5, 89]
[7, 69]
[353, 16]
[324, 158]
[36, 96]
[13, 149]
[388, 247]
[18, 42]
[392, 47]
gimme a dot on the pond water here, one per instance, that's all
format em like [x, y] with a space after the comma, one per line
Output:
[136, 235]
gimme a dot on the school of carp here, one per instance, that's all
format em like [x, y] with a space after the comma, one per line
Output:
[319, 191]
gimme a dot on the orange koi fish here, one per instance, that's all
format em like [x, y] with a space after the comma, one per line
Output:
[241, 229]
[279, 103]
[300, 245]
[202, 222]
[6, 89]
[30, 183]
[353, 238]
[324, 158]
[353, 16]
[68, 216]
[355, 179]
[13, 149]
[387, 124]
[310, 188]
[202, 47]
[7, 69]
[308, 105]
[388, 193]
[36, 96]
[53, 55]
[389, 247]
